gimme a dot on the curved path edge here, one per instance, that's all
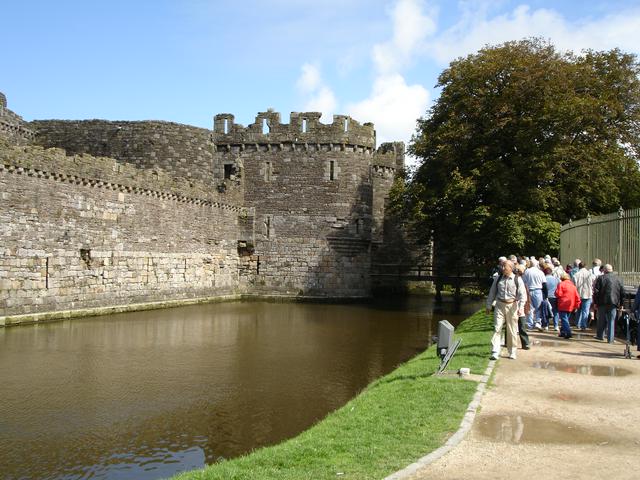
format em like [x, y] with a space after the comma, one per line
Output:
[456, 438]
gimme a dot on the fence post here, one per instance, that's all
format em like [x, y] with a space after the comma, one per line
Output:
[619, 259]
[590, 253]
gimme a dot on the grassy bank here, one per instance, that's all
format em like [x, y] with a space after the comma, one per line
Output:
[394, 421]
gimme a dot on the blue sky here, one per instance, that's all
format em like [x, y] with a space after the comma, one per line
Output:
[185, 61]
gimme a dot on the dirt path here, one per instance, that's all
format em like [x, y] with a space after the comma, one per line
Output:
[564, 409]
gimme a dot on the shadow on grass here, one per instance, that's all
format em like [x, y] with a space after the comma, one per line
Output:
[399, 378]
[474, 346]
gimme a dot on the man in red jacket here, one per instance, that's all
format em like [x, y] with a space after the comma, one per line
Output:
[568, 300]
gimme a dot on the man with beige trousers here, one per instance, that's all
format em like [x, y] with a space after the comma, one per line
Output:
[508, 296]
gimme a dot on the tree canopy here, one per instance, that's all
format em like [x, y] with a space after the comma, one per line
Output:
[523, 138]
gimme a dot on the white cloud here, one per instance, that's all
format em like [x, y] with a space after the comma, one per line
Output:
[323, 100]
[309, 80]
[410, 29]
[318, 96]
[476, 29]
[393, 106]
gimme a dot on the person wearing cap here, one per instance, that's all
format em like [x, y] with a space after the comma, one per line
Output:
[557, 268]
[508, 294]
[595, 268]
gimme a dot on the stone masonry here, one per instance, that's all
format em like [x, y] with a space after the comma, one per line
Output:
[133, 212]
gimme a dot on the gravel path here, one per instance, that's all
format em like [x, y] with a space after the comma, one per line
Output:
[548, 414]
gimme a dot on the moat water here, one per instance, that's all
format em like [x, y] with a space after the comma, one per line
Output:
[146, 395]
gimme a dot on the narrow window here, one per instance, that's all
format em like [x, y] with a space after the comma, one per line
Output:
[267, 227]
[265, 126]
[228, 171]
[85, 255]
[46, 273]
[304, 125]
[332, 170]
[346, 124]
[226, 125]
[267, 171]
[357, 225]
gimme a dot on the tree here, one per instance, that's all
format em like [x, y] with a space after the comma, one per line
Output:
[521, 139]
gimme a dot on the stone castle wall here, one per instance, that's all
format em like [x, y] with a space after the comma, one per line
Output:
[79, 240]
[150, 211]
[181, 151]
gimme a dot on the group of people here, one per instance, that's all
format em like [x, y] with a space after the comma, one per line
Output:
[536, 293]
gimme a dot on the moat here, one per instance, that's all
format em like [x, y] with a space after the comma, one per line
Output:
[145, 395]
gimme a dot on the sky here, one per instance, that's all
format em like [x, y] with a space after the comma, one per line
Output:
[185, 61]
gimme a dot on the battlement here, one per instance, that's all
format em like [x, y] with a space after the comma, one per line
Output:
[303, 128]
[389, 157]
[12, 127]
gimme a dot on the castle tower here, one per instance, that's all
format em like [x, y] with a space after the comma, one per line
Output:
[311, 185]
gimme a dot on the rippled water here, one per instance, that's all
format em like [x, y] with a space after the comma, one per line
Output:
[148, 394]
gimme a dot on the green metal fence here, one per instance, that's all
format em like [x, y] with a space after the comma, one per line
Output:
[614, 238]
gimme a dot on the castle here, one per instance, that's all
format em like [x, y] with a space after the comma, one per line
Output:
[97, 214]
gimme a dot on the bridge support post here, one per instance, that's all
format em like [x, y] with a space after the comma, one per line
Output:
[458, 294]
[438, 292]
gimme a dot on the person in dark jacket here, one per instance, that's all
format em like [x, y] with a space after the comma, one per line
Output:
[608, 295]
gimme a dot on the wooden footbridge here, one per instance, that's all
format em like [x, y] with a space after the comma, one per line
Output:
[394, 274]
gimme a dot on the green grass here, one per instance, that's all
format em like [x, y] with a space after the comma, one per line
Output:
[393, 422]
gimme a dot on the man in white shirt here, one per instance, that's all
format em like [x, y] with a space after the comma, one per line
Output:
[583, 280]
[536, 283]
[509, 295]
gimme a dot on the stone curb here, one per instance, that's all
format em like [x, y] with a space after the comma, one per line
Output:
[456, 438]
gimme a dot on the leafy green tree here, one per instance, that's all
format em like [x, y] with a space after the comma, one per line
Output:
[521, 139]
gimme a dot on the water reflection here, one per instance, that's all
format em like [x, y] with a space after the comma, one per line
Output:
[516, 429]
[596, 370]
[149, 394]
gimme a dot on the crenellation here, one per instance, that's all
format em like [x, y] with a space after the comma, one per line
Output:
[390, 155]
[13, 128]
[267, 129]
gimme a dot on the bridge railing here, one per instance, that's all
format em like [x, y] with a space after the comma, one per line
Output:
[419, 271]
[614, 238]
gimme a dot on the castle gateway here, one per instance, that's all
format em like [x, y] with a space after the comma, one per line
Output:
[97, 214]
